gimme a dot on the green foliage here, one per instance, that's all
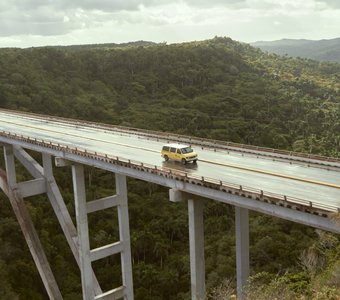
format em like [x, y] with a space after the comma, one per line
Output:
[312, 282]
[276, 288]
[224, 291]
[217, 89]
[6, 290]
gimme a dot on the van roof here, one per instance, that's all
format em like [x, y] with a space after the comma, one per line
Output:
[177, 145]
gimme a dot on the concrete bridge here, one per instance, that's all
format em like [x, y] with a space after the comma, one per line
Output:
[297, 187]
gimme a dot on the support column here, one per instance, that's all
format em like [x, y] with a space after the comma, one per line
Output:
[242, 248]
[83, 232]
[196, 239]
[124, 234]
[10, 166]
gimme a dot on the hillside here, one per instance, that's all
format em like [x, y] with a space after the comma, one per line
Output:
[216, 88]
[323, 50]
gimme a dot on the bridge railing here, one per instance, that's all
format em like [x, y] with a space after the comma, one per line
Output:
[228, 187]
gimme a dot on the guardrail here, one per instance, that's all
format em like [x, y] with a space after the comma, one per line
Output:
[203, 142]
[244, 191]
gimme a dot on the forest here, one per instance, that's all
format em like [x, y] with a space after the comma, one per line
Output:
[217, 88]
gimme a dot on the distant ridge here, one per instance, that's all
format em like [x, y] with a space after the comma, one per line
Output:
[324, 50]
[104, 45]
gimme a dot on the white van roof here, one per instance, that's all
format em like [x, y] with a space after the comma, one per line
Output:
[177, 145]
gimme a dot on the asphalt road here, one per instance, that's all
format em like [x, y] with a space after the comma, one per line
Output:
[297, 180]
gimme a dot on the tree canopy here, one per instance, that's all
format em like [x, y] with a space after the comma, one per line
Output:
[218, 89]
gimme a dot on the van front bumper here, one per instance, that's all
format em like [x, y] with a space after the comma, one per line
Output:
[191, 158]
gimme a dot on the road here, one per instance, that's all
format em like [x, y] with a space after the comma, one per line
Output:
[282, 177]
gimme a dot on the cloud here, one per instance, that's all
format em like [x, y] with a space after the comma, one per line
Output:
[96, 21]
[39, 20]
[63, 5]
[131, 5]
[47, 17]
[100, 5]
[331, 3]
[108, 5]
[212, 3]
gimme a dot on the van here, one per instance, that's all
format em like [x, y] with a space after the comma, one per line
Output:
[182, 153]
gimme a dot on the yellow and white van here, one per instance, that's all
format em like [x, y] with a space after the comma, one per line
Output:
[182, 153]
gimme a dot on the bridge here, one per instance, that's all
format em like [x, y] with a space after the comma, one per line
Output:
[298, 187]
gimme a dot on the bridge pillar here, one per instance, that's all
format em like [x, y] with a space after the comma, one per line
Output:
[196, 239]
[124, 235]
[83, 231]
[88, 255]
[242, 248]
[10, 165]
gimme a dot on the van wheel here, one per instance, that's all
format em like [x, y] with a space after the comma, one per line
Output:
[184, 161]
[194, 161]
[166, 157]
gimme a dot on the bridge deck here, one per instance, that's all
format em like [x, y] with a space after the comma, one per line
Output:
[298, 179]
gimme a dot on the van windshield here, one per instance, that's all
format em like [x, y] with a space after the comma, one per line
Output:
[186, 150]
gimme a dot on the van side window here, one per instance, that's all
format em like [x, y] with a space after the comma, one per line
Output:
[178, 151]
[165, 148]
[173, 150]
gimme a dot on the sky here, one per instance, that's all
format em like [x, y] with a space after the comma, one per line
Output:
[30, 23]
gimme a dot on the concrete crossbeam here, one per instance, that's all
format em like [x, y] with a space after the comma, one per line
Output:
[106, 251]
[176, 195]
[103, 203]
[114, 294]
[32, 187]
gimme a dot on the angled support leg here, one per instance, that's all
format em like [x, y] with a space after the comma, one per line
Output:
[10, 187]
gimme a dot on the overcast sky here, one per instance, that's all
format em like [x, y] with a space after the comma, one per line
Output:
[26, 23]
